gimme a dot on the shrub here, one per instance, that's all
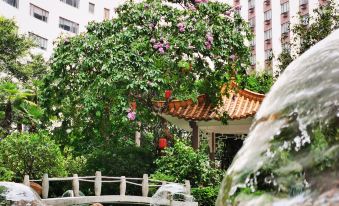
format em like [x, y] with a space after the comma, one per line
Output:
[206, 196]
[31, 153]
[181, 162]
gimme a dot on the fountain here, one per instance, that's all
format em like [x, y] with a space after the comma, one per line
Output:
[291, 154]
[171, 192]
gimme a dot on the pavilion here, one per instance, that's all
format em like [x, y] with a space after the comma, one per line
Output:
[203, 117]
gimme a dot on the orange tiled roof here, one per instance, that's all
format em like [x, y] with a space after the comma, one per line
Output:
[238, 105]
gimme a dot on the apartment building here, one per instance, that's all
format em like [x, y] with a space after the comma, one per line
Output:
[46, 20]
[270, 21]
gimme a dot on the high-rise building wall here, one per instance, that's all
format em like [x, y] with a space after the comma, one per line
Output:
[45, 20]
[270, 21]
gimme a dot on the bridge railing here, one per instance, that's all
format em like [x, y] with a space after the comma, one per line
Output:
[98, 179]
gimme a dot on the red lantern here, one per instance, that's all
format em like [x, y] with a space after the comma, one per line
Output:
[168, 94]
[162, 143]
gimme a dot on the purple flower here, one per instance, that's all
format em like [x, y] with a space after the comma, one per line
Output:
[180, 24]
[204, 1]
[228, 13]
[161, 50]
[192, 8]
[197, 1]
[156, 46]
[208, 45]
[131, 115]
[167, 46]
[232, 57]
[209, 37]
[181, 27]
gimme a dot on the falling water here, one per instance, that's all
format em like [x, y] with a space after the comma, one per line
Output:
[292, 152]
[171, 192]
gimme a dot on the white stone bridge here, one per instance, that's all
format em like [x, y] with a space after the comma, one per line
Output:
[145, 183]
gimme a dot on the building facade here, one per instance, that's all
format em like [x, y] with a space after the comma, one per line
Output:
[270, 21]
[45, 20]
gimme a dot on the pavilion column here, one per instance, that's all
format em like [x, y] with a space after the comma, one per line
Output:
[212, 146]
[195, 135]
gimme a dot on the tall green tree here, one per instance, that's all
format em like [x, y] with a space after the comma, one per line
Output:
[310, 31]
[20, 71]
[190, 47]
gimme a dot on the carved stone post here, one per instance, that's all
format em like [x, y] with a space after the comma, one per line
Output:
[26, 180]
[75, 184]
[97, 183]
[45, 186]
[123, 185]
[145, 185]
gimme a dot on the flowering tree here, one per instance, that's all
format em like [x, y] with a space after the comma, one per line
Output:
[189, 47]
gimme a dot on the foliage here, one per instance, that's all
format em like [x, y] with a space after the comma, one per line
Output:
[206, 196]
[310, 31]
[120, 160]
[31, 153]
[259, 82]
[17, 107]
[15, 56]
[135, 57]
[20, 72]
[181, 162]
[5, 174]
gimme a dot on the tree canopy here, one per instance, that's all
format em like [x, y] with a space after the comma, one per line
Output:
[20, 71]
[190, 47]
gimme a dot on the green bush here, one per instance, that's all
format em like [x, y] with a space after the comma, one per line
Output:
[30, 153]
[260, 82]
[205, 196]
[181, 162]
[120, 160]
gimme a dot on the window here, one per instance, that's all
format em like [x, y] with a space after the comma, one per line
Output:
[251, 22]
[285, 28]
[91, 8]
[268, 34]
[39, 13]
[268, 54]
[251, 4]
[74, 3]
[303, 2]
[268, 15]
[40, 41]
[106, 13]
[285, 8]
[252, 59]
[68, 25]
[14, 3]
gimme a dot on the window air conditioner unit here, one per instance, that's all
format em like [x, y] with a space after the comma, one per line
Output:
[285, 14]
[267, 41]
